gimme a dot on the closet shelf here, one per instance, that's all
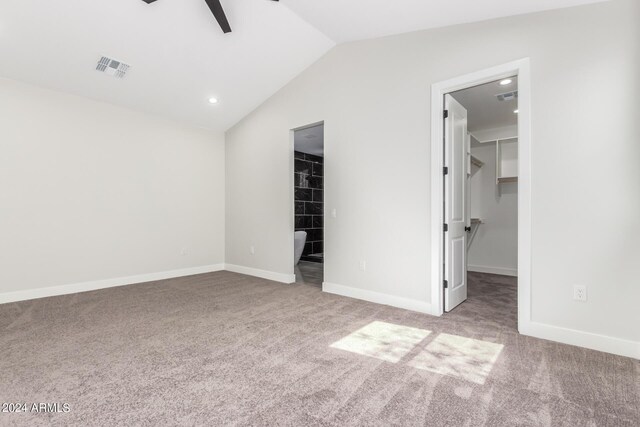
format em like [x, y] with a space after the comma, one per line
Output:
[476, 161]
[506, 161]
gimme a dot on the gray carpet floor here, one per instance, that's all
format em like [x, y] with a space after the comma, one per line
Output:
[227, 349]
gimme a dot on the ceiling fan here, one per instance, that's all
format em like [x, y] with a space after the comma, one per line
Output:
[218, 12]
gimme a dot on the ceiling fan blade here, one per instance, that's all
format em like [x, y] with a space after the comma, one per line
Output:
[218, 12]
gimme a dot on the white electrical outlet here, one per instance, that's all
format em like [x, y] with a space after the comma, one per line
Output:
[252, 250]
[184, 251]
[363, 265]
[580, 293]
[334, 213]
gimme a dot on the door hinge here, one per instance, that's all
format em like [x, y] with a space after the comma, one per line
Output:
[446, 227]
[445, 170]
[446, 114]
[445, 283]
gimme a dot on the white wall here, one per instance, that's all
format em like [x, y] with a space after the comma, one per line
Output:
[90, 191]
[494, 248]
[374, 98]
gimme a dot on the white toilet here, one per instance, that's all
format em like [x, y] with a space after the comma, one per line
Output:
[299, 239]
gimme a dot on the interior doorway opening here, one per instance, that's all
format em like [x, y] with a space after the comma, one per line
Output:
[308, 190]
[520, 70]
[481, 200]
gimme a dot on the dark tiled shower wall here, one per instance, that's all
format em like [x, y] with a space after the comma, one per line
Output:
[309, 197]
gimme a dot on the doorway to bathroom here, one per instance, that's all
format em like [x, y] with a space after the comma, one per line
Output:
[308, 190]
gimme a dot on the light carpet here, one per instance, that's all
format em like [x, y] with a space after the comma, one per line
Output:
[228, 349]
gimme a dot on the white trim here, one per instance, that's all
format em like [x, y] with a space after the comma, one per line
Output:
[438, 90]
[377, 297]
[493, 270]
[292, 201]
[73, 288]
[589, 340]
[264, 274]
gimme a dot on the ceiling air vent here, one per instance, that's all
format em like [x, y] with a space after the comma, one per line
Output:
[507, 96]
[112, 67]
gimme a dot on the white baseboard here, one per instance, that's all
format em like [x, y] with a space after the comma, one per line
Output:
[105, 283]
[377, 297]
[589, 340]
[264, 274]
[493, 270]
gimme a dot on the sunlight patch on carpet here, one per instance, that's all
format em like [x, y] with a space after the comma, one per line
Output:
[458, 356]
[384, 341]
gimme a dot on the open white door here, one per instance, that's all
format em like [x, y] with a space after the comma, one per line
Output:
[455, 201]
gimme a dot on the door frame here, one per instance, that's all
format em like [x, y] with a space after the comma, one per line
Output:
[520, 68]
[292, 190]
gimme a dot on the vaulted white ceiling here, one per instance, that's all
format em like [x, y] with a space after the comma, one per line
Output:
[349, 20]
[178, 54]
[180, 58]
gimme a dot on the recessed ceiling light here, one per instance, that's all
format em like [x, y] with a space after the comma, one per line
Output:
[213, 100]
[505, 82]
[516, 111]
